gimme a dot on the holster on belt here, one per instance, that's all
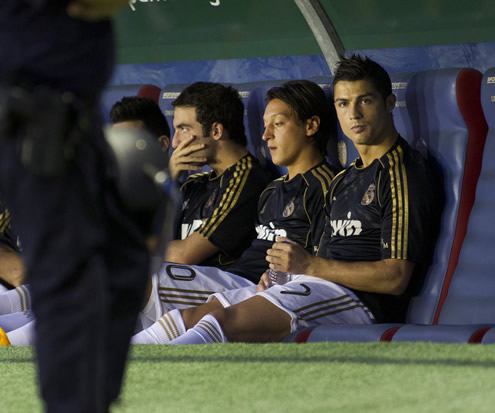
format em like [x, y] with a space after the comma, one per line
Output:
[46, 123]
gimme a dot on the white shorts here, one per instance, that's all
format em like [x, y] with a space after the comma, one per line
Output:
[182, 286]
[310, 302]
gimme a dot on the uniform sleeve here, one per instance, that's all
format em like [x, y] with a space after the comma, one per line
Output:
[231, 226]
[405, 200]
[7, 236]
[316, 211]
[317, 205]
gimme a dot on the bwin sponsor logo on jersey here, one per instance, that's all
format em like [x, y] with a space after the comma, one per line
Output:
[188, 229]
[346, 227]
[270, 233]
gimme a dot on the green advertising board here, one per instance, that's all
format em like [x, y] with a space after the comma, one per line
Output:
[182, 30]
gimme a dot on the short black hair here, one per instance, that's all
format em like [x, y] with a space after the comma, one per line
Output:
[215, 102]
[135, 108]
[357, 67]
[307, 99]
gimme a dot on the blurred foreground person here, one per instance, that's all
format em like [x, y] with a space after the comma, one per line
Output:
[86, 258]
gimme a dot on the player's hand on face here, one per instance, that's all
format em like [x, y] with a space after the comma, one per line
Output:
[94, 10]
[288, 256]
[264, 282]
[184, 157]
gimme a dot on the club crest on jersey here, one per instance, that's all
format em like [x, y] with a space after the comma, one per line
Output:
[289, 208]
[211, 199]
[369, 195]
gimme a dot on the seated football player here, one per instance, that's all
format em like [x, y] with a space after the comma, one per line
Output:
[298, 124]
[376, 243]
[209, 130]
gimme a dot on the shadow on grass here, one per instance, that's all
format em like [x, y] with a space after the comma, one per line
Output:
[316, 359]
[17, 361]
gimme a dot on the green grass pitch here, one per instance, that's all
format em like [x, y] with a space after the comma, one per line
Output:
[316, 377]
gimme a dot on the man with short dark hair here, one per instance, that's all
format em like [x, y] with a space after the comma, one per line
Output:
[377, 236]
[138, 112]
[298, 121]
[215, 221]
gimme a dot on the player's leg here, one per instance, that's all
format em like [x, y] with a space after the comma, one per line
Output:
[22, 336]
[9, 322]
[254, 320]
[278, 311]
[183, 286]
[175, 323]
[13, 301]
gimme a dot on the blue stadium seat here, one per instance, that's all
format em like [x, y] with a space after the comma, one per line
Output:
[113, 94]
[471, 295]
[489, 337]
[440, 111]
[448, 120]
[441, 333]
[245, 90]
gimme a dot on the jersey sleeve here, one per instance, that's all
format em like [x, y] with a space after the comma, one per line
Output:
[231, 227]
[7, 236]
[316, 204]
[405, 200]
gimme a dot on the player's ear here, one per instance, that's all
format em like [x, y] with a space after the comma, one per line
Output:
[217, 130]
[164, 141]
[312, 125]
[390, 102]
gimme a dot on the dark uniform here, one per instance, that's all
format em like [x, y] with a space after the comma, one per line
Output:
[8, 239]
[386, 210]
[7, 236]
[290, 208]
[223, 208]
[86, 260]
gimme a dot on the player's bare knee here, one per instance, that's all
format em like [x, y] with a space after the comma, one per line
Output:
[192, 315]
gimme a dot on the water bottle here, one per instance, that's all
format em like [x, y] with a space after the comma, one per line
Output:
[279, 277]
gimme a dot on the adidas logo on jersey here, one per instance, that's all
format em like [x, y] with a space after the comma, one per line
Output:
[188, 229]
[346, 227]
[270, 233]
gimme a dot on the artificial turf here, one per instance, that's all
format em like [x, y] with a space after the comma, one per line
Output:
[311, 377]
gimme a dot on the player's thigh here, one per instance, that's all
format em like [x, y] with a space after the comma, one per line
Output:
[182, 286]
[312, 302]
[231, 297]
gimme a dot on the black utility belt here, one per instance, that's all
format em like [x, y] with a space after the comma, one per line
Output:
[46, 123]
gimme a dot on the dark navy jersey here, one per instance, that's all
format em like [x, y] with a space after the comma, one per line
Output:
[289, 208]
[380, 212]
[7, 236]
[41, 41]
[223, 208]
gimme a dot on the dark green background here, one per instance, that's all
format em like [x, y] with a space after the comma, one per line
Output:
[181, 30]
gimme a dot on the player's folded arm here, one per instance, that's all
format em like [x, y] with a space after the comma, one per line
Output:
[192, 250]
[387, 276]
